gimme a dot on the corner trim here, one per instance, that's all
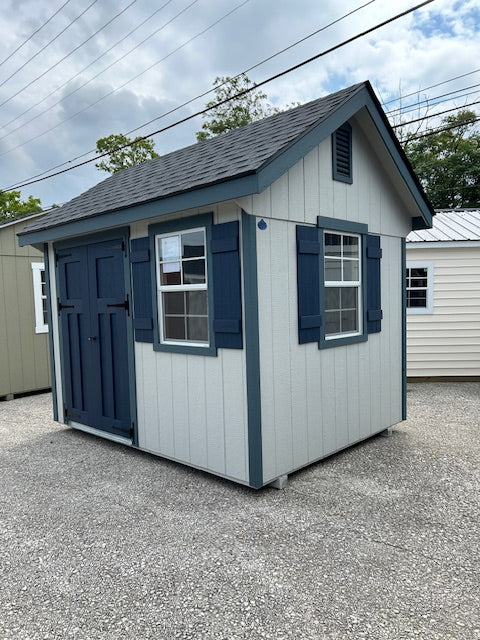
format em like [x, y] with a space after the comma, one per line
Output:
[404, 329]
[46, 263]
[252, 349]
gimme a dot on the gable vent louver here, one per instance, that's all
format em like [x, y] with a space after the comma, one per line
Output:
[342, 153]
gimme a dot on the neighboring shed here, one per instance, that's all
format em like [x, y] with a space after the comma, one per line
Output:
[259, 263]
[24, 356]
[443, 297]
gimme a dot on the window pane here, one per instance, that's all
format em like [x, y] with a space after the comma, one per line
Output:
[349, 321]
[350, 247]
[418, 273]
[170, 273]
[333, 244]
[196, 303]
[193, 244]
[418, 282]
[332, 298]
[197, 329]
[333, 270]
[350, 270]
[332, 322]
[169, 248]
[416, 298]
[174, 303]
[45, 311]
[174, 328]
[194, 271]
[349, 297]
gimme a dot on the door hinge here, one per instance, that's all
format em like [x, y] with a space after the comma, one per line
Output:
[122, 305]
[61, 306]
[132, 431]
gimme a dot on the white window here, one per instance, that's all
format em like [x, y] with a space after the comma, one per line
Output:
[40, 297]
[419, 280]
[182, 287]
[343, 282]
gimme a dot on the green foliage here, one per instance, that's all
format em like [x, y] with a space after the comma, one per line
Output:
[11, 206]
[448, 162]
[120, 156]
[236, 113]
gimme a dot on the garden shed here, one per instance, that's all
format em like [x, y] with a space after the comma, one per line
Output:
[24, 352]
[238, 305]
[443, 297]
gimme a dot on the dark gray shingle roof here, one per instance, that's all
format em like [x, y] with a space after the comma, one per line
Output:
[237, 153]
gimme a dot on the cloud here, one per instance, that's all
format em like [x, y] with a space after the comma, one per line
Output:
[433, 44]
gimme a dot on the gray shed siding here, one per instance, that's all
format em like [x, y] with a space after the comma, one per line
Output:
[316, 402]
[193, 408]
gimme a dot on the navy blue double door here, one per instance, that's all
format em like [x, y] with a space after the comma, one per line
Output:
[93, 310]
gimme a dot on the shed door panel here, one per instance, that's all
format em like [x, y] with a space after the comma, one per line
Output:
[94, 336]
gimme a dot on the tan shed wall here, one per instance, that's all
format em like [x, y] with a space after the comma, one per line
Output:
[24, 355]
[447, 342]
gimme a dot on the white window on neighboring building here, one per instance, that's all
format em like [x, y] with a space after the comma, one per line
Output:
[182, 286]
[419, 282]
[343, 284]
[40, 297]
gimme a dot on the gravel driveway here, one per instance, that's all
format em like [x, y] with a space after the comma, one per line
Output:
[102, 542]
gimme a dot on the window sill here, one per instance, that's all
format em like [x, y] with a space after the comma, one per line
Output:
[185, 349]
[340, 342]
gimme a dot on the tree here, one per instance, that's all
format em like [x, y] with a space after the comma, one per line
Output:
[238, 112]
[12, 207]
[448, 162]
[124, 152]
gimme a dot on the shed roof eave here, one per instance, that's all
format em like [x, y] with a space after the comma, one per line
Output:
[201, 197]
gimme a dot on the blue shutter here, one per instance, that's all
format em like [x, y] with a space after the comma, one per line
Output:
[308, 282]
[227, 288]
[142, 289]
[374, 303]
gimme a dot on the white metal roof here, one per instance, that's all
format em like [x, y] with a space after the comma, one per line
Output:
[450, 225]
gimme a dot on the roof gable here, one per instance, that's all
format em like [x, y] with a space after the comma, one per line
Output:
[238, 163]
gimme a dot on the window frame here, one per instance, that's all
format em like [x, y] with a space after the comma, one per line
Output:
[345, 228]
[429, 266]
[38, 297]
[171, 227]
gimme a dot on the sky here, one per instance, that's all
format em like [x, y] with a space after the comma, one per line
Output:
[73, 71]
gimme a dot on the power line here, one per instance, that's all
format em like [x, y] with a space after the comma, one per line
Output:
[432, 86]
[69, 54]
[209, 91]
[135, 77]
[34, 33]
[433, 132]
[433, 115]
[81, 71]
[412, 107]
[43, 49]
[238, 95]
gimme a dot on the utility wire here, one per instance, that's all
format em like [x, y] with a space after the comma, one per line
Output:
[434, 115]
[432, 86]
[238, 95]
[205, 93]
[43, 49]
[429, 101]
[81, 71]
[34, 33]
[69, 54]
[134, 78]
[433, 132]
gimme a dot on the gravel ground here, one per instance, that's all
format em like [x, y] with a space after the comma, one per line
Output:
[102, 542]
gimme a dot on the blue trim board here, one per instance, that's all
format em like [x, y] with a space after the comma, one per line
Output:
[404, 329]
[252, 349]
[336, 224]
[181, 224]
[46, 263]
